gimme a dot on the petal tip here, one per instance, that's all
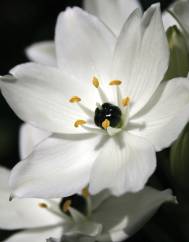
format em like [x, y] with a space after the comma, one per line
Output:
[170, 196]
[70, 11]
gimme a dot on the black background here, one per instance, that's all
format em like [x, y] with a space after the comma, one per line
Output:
[23, 22]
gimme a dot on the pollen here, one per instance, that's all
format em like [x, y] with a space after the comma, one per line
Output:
[67, 205]
[125, 101]
[96, 82]
[115, 83]
[43, 205]
[105, 123]
[79, 122]
[85, 192]
[75, 99]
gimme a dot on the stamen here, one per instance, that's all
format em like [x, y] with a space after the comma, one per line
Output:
[96, 82]
[86, 110]
[75, 99]
[85, 192]
[125, 101]
[79, 122]
[105, 123]
[53, 207]
[102, 95]
[43, 205]
[67, 205]
[115, 83]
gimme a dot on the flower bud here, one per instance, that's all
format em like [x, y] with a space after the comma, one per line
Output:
[179, 55]
[179, 160]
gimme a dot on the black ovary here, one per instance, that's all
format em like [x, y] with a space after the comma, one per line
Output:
[78, 202]
[110, 112]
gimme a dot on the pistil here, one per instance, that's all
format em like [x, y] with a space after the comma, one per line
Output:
[107, 115]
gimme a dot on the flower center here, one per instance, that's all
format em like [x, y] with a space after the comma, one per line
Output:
[76, 201]
[107, 115]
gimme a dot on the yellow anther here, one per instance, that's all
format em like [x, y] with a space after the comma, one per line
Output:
[67, 205]
[96, 82]
[125, 101]
[105, 123]
[43, 205]
[79, 122]
[85, 192]
[75, 99]
[115, 83]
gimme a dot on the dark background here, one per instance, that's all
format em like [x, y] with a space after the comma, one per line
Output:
[23, 22]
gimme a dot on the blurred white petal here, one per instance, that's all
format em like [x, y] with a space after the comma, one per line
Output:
[112, 13]
[42, 52]
[21, 213]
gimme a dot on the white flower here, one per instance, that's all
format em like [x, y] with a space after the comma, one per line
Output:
[147, 115]
[41, 219]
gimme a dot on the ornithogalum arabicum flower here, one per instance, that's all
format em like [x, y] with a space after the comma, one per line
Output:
[103, 217]
[102, 103]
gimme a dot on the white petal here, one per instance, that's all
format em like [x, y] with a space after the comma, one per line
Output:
[166, 114]
[21, 213]
[141, 56]
[84, 46]
[39, 235]
[29, 137]
[41, 94]
[113, 13]
[57, 168]
[97, 199]
[128, 213]
[118, 235]
[124, 164]
[83, 225]
[42, 52]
